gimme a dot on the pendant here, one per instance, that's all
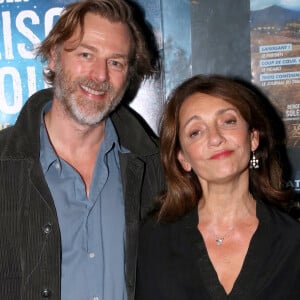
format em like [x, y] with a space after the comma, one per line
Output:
[219, 241]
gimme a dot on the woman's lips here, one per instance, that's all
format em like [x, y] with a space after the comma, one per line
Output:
[221, 154]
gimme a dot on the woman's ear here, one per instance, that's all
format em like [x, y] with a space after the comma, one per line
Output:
[184, 163]
[254, 139]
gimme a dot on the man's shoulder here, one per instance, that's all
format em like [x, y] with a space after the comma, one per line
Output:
[5, 133]
[133, 131]
[40, 97]
[19, 138]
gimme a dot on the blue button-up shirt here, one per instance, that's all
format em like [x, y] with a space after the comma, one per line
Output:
[92, 229]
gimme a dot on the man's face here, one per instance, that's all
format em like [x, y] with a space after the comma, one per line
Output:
[92, 78]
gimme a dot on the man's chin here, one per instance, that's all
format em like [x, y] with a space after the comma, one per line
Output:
[94, 119]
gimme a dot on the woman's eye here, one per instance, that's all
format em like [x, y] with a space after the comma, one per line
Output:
[195, 133]
[230, 121]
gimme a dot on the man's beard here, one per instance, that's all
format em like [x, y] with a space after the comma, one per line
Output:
[83, 110]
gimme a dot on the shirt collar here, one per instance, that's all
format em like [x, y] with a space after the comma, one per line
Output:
[47, 154]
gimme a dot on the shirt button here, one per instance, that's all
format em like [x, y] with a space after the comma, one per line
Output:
[47, 228]
[95, 298]
[92, 255]
[46, 293]
[57, 166]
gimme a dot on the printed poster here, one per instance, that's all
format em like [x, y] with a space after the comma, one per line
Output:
[275, 66]
[275, 58]
[25, 23]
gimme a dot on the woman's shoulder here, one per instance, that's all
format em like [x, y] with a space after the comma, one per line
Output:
[280, 216]
[281, 223]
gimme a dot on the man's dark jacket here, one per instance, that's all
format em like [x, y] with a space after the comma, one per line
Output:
[30, 245]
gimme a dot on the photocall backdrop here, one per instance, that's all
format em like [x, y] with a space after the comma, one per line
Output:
[25, 23]
[260, 35]
[275, 66]
[245, 42]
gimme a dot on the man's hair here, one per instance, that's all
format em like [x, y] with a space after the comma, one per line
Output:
[143, 61]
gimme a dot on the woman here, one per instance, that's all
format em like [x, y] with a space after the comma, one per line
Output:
[220, 231]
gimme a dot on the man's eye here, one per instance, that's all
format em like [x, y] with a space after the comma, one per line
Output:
[85, 55]
[116, 65]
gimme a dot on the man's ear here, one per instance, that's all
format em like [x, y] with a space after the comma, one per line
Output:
[184, 163]
[53, 58]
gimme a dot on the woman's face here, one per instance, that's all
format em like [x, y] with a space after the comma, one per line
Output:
[215, 140]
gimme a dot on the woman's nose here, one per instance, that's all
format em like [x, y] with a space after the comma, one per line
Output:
[215, 136]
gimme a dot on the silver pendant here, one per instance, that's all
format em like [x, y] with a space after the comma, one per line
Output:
[219, 241]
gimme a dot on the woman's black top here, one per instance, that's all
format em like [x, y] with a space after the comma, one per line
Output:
[173, 262]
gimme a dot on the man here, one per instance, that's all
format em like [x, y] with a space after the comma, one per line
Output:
[77, 170]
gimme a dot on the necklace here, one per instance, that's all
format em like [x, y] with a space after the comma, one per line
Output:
[220, 239]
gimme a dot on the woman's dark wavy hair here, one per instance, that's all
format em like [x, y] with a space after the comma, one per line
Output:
[144, 60]
[183, 190]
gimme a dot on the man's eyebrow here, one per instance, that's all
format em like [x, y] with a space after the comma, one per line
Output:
[114, 55]
[92, 48]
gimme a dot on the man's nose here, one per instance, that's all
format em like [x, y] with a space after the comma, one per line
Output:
[99, 70]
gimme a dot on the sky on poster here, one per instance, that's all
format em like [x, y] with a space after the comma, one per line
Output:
[23, 24]
[262, 4]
